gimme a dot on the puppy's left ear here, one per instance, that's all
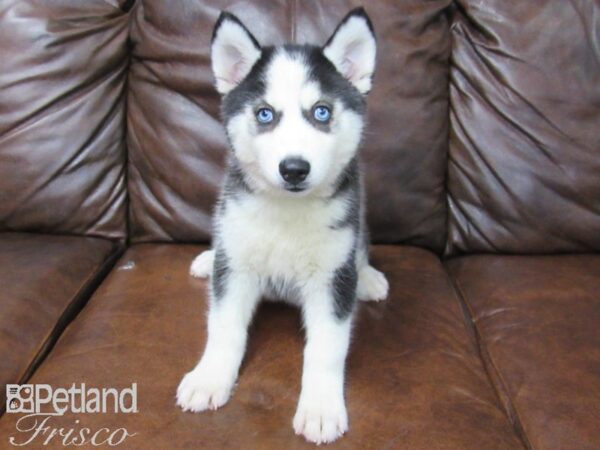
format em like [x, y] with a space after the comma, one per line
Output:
[352, 49]
[233, 52]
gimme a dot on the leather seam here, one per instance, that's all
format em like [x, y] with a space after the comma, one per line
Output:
[126, 93]
[493, 374]
[445, 248]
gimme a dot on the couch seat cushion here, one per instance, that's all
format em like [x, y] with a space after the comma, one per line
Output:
[414, 379]
[44, 281]
[538, 319]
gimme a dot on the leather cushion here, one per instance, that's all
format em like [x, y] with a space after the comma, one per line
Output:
[414, 379]
[45, 280]
[62, 116]
[177, 144]
[524, 154]
[537, 318]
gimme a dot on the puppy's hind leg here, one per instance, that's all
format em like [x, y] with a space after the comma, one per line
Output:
[372, 284]
[233, 300]
[202, 265]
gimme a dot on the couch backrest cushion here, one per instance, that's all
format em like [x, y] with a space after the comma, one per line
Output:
[62, 116]
[177, 145]
[524, 169]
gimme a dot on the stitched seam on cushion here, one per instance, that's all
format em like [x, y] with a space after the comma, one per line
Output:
[88, 284]
[445, 249]
[79, 300]
[132, 15]
[492, 372]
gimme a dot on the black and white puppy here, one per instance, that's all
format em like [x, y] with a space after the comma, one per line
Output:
[290, 221]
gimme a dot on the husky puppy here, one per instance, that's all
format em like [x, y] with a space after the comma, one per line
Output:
[290, 220]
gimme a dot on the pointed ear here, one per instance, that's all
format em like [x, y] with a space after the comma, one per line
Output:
[233, 52]
[352, 49]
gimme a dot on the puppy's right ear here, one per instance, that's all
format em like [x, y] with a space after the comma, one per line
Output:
[233, 52]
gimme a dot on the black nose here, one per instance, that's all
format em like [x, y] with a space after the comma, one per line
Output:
[294, 170]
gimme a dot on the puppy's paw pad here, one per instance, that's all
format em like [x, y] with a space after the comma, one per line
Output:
[322, 423]
[372, 285]
[202, 265]
[197, 392]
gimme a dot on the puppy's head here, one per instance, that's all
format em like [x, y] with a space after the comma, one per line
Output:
[294, 114]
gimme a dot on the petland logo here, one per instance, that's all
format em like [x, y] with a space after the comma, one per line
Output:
[41, 403]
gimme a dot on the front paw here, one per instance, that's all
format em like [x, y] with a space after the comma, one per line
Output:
[319, 419]
[200, 390]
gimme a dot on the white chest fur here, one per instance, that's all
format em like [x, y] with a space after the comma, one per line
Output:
[285, 238]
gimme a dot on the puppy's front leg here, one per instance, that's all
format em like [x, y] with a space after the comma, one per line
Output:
[321, 415]
[233, 299]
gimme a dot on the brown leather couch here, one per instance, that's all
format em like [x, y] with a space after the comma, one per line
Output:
[483, 171]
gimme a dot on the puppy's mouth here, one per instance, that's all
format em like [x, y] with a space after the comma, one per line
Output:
[295, 187]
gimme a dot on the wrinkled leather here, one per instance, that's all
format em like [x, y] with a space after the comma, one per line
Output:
[414, 378]
[44, 281]
[524, 167]
[538, 318]
[177, 145]
[62, 117]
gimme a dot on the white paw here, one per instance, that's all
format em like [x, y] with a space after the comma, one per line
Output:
[372, 285]
[202, 265]
[200, 390]
[321, 420]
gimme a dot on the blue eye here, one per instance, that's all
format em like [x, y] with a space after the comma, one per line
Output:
[265, 115]
[322, 113]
